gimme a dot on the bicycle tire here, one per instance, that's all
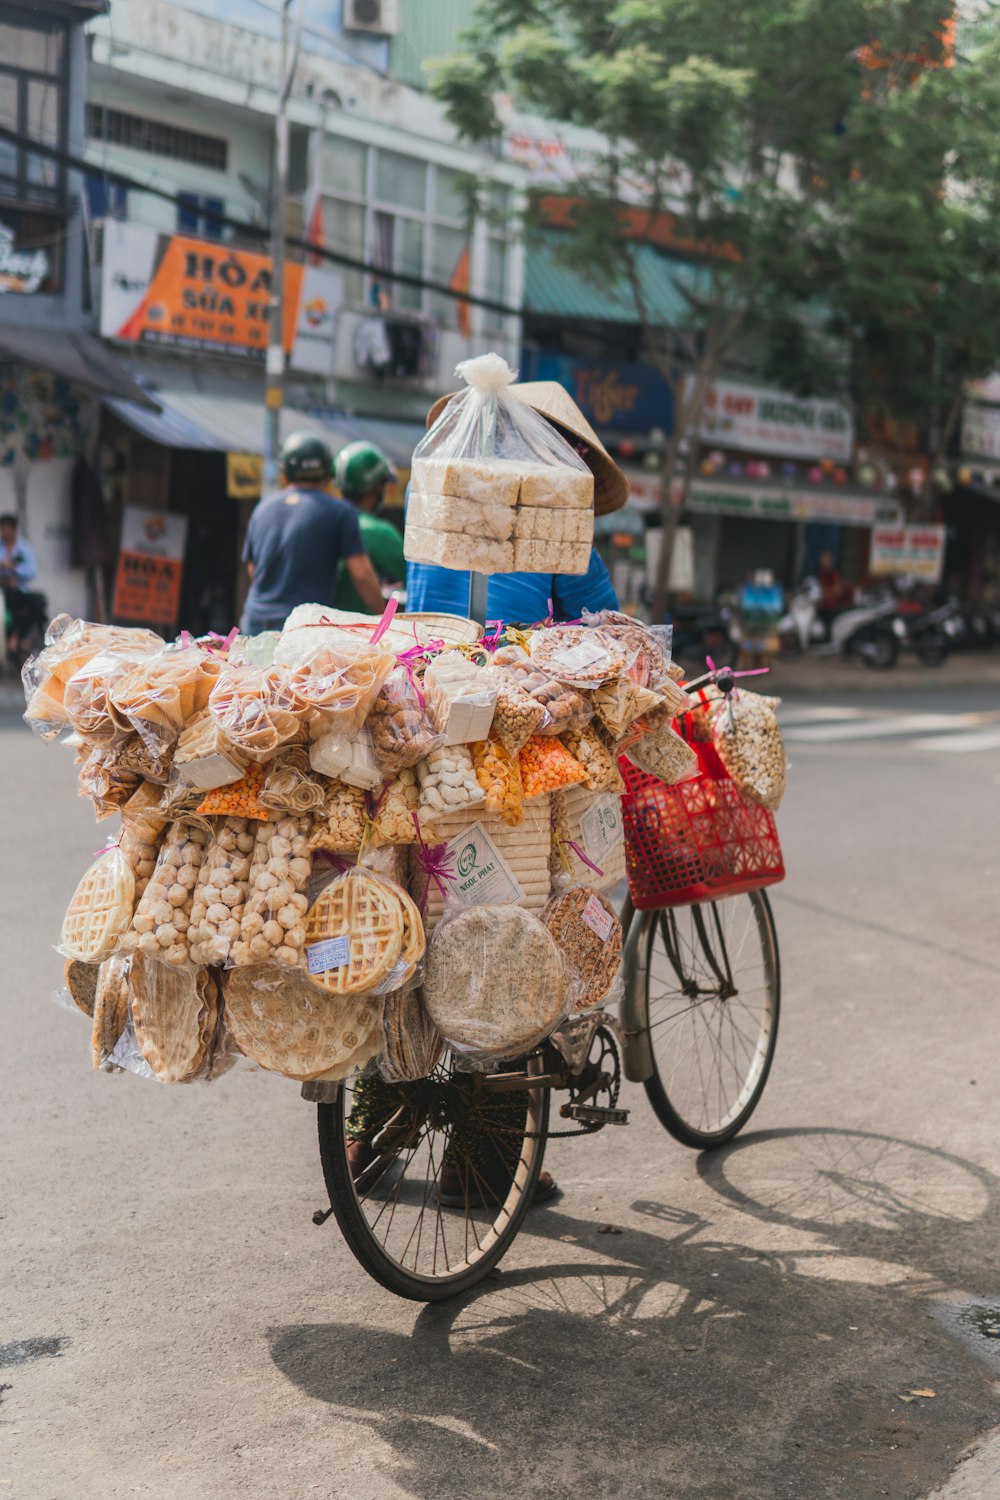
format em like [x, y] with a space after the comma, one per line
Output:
[707, 1133]
[351, 1208]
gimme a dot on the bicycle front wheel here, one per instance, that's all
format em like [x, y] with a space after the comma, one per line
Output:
[443, 1175]
[713, 994]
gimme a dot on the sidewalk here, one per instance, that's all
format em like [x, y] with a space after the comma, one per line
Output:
[977, 1477]
[826, 675]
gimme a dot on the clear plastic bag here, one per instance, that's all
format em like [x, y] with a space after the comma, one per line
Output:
[281, 1020]
[102, 780]
[648, 646]
[207, 758]
[111, 1010]
[401, 733]
[750, 747]
[363, 935]
[601, 773]
[476, 858]
[499, 775]
[221, 892]
[257, 710]
[141, 835]
[70, 645]
[100, 909]
[175, 1019]
[659, 751]
[340, 824]
[489, 445]
[495, 982]
[394, 809]
[547, 766]
[134, 755]
[409, 1044]
[290, 786]
[351, 760]
[565, 708]
[588, 840]
[460, 699]
[178, 798]
[239, 799]
[273, 927]
[162, 916]
[448, 783]
[517, 715]
[620, 702]
[163, 692]
[578, 655]
[89, 695]
[588, 931]
[337, 681]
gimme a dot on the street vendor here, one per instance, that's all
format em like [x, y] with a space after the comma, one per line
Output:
[521, 598]
[298, 537]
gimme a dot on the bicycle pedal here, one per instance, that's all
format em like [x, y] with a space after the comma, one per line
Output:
[594, 1114]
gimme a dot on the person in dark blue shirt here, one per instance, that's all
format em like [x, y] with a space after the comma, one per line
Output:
[297, 538]
[523, 598]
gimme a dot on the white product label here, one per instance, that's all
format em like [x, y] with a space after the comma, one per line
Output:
[393, 979]
[482, 876]
[601, 828]
[332, 953]
[579, 658]
[598, 919]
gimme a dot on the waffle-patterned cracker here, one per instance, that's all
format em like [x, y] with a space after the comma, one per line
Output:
[362, 920]
[100, 909]
[175, 1014]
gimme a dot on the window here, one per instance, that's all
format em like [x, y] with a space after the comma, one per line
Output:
[139, 134]
[400, 180]
[197, 215]
[32, 103]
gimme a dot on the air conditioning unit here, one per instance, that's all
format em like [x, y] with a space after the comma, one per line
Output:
[378, 16]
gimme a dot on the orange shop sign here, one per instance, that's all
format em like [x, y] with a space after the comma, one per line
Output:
[200, 295]
[150, 567]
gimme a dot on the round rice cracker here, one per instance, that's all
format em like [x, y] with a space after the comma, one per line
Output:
[411, 1045]
[368, 913]
[286, 1024]
[494, 981]
[593, 960]
[175, 1014]
[81, 983]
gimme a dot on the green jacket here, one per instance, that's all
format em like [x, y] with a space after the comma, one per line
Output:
[384, 546]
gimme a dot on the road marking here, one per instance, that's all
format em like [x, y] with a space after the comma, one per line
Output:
[876, 729]
[962, 744]
[823, 715]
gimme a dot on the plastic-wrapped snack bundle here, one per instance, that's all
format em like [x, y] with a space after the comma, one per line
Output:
[335, 680]
[363, 935]
[588, 839]
[162, 917]
[410, 1045]
[290, 785]
[565, 708]
[499, 775]
[587, 929]
[162, 693]
[206, 757]
[750, 747]
[178, 798]
[175, 1016]
[448, 782]
[284, 1023]
[393, 809]
[103, 781]
[648, 646]
[547, 766]
[601, 773]
[517, 715]
[273, 925]
[401, 733]
[494, 981]
[69, 646]
[135, 756]
[239, 799]
[142, 832]
[468, 858]
[340, 824]
[100, 909]
[661, 752]
[221, 892]
[578, 655]
[352, 760]
[257, 710]
[460, 699]
[620, 702]
[89, 695]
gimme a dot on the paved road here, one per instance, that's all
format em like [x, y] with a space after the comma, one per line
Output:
[173, 1326]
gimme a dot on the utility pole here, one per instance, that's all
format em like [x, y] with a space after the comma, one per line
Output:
[279, 178]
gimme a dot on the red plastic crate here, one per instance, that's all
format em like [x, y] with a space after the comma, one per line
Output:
[697, 840]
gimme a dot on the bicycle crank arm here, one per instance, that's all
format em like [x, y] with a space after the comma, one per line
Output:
[594, 1114]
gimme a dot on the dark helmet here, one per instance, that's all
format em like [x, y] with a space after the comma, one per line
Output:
[361, 467]
[305, 456]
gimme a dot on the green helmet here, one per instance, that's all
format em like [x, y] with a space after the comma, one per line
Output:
[304, 457]
[361, 467]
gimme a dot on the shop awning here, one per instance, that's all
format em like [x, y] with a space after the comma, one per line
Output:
[77, 357]
[839, 507]
[216, 424]
[554, 290]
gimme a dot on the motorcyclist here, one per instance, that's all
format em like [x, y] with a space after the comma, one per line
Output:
[362, 472]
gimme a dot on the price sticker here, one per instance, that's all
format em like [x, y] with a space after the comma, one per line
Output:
[332, 953]
[579, 658]
[598, 918]
[393, 979]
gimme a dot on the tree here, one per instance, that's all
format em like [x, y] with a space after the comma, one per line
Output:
[743, 123]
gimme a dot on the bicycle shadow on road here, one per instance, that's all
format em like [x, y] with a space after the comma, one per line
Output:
[683, 1358]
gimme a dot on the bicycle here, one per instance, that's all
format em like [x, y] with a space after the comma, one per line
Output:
[697, 1026]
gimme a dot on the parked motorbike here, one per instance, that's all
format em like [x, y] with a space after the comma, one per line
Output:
[703, 630]
[869, 629]
[933, 633]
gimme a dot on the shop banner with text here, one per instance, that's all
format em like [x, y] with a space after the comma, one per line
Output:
[757, 420]
[908, 551]
[199, 295]
[150, 567]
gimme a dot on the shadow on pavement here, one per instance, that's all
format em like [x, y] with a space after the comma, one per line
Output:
[673, 1360]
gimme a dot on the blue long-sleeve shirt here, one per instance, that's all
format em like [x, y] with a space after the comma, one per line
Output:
[18, 563]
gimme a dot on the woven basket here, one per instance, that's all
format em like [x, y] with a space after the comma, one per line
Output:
[455, 630]
[569, 822]
[524, 849]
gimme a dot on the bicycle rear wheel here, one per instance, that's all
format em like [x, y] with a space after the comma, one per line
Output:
[417, 1136]
[713, 995]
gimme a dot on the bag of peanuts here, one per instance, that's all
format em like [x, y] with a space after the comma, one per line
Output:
[517, 715]
[547, 766]
[273, 926]
[499, 774]
[340, 824]
[565, 708]
[221, 892]
[400, 730]
[393, 809]
[162, 917]
[601, 773]
[659, 751]
[750, 747]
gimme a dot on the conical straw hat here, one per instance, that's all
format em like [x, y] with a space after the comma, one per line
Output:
[557, 406]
